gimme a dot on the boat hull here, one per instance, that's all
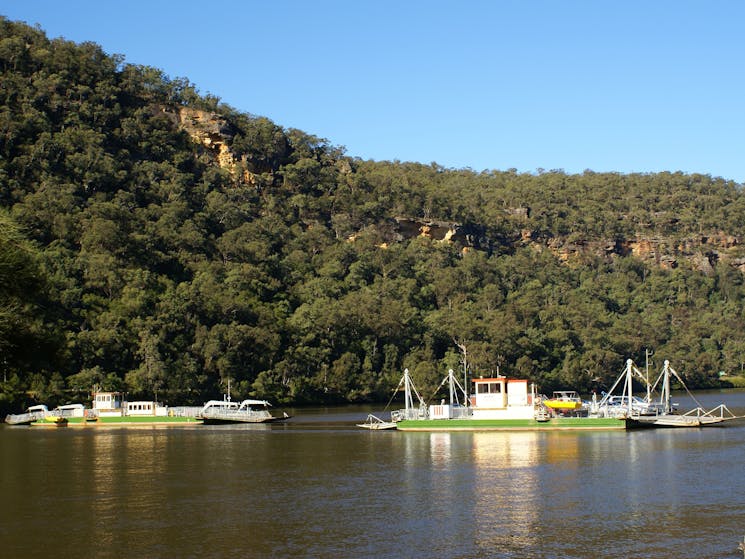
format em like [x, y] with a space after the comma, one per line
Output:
[562, 406]
[669, 420]
[128, 421]
[234, 420]
[553, 424]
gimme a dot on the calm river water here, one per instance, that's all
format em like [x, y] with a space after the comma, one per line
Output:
[318, 487]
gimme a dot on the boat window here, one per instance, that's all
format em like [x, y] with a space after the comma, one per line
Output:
[489, 388]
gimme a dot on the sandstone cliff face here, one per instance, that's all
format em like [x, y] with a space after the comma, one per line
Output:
[215, 134]
[703, 252]
[209, 129]
[212, 131]
[468, 236]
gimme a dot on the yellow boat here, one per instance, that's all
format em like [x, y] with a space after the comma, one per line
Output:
[564, 400]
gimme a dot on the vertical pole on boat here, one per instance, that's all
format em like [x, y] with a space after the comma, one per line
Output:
[451, 382]
[408, 403]
[629, 375]
[646, 368]
[665, 396]
[465, 376]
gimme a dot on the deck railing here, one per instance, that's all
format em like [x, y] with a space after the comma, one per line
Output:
[227, 414]
[19, 418]
[185, 411]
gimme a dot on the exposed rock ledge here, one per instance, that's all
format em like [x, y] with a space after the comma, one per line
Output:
[212, 131]
[703, 252]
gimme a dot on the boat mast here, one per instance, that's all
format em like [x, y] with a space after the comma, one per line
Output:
[462, 347]
[451, 382]
[408, 402]
[665, 392]
[629, 375]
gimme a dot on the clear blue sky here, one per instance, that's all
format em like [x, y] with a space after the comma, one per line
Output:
[627, 86]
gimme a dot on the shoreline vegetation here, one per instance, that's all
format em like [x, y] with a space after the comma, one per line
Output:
[156, 241]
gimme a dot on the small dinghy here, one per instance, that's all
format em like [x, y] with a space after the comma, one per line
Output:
[375, 423]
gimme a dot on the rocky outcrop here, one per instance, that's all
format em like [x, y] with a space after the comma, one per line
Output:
[469, 236]
[211, 131]
[738, 263]
[703, 252]
[215, 134]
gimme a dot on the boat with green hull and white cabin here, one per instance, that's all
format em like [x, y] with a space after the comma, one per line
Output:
[501, 403]
[497, 404]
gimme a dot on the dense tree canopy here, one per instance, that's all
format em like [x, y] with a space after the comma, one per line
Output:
[137, 255]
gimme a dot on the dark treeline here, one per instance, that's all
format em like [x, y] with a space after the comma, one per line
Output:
[131, 258]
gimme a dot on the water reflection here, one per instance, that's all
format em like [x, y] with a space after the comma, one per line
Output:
[507, 498]
[127, 482]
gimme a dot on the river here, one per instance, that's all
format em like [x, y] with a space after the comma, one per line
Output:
[317, 487]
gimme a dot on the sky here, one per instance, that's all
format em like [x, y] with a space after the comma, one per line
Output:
[621, 86]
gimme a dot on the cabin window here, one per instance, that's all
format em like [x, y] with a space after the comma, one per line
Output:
[489, 388]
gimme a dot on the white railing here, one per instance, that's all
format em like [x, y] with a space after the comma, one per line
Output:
[236, 415]
[185, 411]
[411, 413]
[20, 418]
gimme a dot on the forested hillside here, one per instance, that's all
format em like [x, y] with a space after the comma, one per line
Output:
[157, 241]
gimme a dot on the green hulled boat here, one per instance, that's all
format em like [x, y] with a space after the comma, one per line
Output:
[496, 404]
[555, 423]
[113, 410]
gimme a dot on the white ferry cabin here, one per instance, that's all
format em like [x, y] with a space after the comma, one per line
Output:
[502, 398]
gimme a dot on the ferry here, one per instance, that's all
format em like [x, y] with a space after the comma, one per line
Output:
[248, 411]
[502, 403]
[112, 409]
[497, 403]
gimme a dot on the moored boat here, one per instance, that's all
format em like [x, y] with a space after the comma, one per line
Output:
[247, 411]
[112, 409]
[564, 400]
[32, 413]
[374, 423]
[498, 403]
